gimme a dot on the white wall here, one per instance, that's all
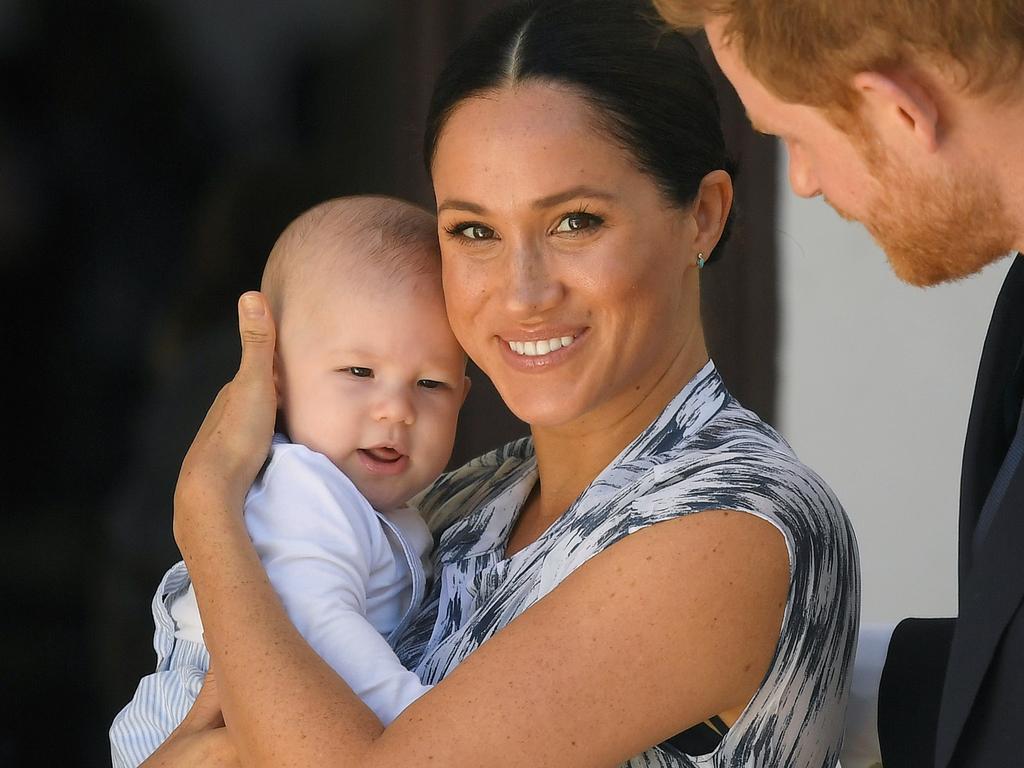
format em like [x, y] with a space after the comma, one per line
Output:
[875, 391]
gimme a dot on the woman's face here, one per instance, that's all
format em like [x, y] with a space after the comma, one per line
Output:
[569, 279]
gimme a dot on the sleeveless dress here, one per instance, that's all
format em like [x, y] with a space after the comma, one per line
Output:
[704, 452]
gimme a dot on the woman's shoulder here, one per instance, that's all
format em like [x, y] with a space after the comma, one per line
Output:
[738, 461]
[458, 491]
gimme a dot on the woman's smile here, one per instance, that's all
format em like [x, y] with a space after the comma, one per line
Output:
[539, 351]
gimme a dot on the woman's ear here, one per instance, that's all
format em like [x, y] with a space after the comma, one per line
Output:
[898, 103]
[711, 209]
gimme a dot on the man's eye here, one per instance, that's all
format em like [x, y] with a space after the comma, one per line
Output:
[359, 372]
[430, 384]
[578, 222]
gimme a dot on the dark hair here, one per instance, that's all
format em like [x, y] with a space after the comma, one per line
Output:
[645, 81]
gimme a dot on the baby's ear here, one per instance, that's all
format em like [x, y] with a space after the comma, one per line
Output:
[277, 380]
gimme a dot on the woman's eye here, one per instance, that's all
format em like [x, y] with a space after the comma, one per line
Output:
[472, 231]
[577, 222]
[359, 372]
[429, 383]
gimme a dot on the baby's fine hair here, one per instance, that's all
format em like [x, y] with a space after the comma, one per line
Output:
[367, 240]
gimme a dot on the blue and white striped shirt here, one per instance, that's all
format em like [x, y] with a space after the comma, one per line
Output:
[349, 577]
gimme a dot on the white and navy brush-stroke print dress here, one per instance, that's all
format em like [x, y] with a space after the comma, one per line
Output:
[704, 452]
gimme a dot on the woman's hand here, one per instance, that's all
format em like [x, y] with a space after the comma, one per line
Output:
[235, 436]
[201, 740]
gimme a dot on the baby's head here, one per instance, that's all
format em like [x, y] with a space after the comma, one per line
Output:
[367, 369]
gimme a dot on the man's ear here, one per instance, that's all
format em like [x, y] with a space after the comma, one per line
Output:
[901, 101]
[467, 383]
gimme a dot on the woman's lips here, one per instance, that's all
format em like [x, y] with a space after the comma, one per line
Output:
[383, 461]
[516, 352]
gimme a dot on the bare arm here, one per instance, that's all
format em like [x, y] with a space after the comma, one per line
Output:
[671, 625]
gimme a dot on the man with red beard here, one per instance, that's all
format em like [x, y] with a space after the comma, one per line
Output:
[907, 116]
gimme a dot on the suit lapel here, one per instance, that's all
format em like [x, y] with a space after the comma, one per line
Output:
[992, 593]
[986, 440]
[993, 586]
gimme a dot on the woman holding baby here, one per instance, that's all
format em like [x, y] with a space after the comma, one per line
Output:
[652, 578]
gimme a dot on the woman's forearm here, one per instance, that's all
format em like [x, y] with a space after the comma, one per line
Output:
[283, 705]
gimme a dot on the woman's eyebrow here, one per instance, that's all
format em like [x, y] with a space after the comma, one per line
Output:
[569, 194]
[539, 204]
[461, 205]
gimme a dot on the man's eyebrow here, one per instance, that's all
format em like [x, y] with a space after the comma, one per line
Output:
[539, 204]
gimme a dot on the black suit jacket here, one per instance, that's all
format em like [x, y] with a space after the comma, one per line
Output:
[952, 692]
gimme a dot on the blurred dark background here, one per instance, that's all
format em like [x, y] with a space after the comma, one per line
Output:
[150, 153]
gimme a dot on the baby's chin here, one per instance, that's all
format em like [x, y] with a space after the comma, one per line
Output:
[388, 500]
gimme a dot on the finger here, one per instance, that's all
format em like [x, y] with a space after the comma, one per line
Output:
[206, 711]
[252, 395]
[256, 328]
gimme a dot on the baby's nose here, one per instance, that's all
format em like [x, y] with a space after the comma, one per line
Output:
[394, 406]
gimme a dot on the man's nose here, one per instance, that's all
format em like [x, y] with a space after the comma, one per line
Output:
[802, 177]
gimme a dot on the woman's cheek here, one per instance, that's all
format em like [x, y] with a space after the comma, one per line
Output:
[465, 293]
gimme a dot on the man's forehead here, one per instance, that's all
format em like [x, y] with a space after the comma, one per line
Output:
[756, 98]
[726, 54]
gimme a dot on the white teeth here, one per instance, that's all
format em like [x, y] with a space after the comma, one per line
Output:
[540, 348]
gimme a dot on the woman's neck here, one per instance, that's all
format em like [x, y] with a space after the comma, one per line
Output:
[571, 456]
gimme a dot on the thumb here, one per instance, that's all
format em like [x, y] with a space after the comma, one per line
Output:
[256, 328]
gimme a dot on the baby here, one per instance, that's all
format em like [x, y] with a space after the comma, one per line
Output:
[370, 381]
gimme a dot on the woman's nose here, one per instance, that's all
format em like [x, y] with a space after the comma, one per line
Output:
[531, 287]
[394, 405]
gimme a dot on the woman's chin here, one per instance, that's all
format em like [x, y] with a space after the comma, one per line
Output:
[548, 410]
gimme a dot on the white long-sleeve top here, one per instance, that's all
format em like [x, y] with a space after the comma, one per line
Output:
[349, 577]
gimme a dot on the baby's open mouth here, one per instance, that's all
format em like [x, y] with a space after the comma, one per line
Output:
[383, 460]
[387, 455]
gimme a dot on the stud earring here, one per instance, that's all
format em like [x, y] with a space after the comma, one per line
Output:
[700, 260]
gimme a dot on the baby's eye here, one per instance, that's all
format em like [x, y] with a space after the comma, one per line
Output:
[471, 231]
[358, 371]
[578, 222]
[430, 384]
